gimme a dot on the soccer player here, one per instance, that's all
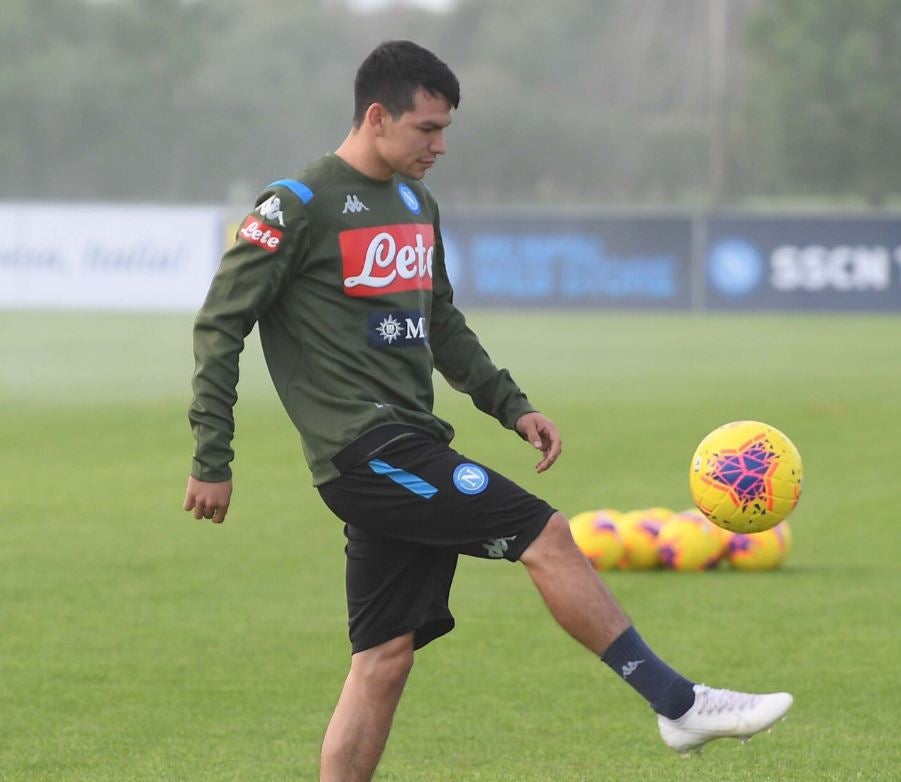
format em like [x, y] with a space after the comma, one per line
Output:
[343, 269]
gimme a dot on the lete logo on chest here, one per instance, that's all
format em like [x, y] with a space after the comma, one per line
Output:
[387, 258]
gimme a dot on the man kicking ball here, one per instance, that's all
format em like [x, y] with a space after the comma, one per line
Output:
[343, 269]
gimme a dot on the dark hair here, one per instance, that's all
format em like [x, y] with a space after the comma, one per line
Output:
[394, 71]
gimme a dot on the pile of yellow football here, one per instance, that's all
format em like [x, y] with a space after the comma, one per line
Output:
[660, 538]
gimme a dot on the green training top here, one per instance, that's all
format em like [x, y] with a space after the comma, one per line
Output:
[345, 275]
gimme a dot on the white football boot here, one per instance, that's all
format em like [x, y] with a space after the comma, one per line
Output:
[719, 713]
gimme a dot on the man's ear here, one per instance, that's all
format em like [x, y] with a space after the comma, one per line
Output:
[375, 118]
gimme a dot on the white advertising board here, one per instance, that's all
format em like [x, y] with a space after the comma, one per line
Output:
[107, 257]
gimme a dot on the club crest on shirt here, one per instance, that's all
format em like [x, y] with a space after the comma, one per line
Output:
[409, 198]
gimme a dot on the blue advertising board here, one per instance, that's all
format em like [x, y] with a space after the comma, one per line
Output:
[641, 262]
[803, 263]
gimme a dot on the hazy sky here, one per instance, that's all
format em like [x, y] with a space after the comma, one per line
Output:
[369, 5]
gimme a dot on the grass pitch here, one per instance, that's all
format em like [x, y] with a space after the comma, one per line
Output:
[139, 644]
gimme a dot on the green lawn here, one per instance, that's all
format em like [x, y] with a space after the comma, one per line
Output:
[139, 644]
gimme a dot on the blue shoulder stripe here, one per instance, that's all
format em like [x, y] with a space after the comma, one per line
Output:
[298, 188]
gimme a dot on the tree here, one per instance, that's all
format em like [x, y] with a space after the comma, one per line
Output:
[826, 97]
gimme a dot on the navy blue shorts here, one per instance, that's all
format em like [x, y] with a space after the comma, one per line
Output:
[409, 511]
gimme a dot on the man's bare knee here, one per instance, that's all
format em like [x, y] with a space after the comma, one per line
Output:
[554, 541]
[384, 667]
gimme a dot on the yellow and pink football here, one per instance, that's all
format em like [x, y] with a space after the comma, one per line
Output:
[765, 550]
[746, 476]
[689, 542]
[597, 536]
[639, 531]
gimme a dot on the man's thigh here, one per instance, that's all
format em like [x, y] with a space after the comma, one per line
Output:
[422, 492]
[394, 588]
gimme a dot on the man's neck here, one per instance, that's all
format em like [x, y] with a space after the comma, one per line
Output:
[359, 154]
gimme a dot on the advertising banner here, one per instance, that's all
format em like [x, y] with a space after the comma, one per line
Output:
[156, 258]
[639, 262]
[107, 257]
[803, 263]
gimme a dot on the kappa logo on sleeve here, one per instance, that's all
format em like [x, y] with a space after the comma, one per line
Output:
[387, 258]
[260, 234]
[271, 209]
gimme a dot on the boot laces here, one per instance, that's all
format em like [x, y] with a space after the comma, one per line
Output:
[713, 701]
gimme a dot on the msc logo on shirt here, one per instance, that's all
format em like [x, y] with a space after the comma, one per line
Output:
[397, 329]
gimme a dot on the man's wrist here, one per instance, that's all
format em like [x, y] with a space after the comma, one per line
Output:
[202, 472]
[517, 414]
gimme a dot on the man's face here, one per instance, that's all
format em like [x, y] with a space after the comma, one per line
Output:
[410, 144]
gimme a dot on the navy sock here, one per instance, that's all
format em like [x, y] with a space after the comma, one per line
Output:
[668, 692]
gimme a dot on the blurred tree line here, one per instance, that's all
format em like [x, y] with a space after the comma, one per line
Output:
[616, 102]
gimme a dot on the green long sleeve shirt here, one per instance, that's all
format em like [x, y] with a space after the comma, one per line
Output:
[345, 276]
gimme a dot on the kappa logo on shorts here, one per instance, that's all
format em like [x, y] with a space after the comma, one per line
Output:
[497, 547]
[470, 478]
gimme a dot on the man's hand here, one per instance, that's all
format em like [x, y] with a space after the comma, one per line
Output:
[542, 433]
[208, 500]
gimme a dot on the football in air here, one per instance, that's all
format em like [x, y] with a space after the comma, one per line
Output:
[745, 476]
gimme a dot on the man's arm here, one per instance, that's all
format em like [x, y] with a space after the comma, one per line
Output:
[249, 278]
[467, 367]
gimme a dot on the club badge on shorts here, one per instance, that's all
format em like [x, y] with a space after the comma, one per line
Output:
[470, 478]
